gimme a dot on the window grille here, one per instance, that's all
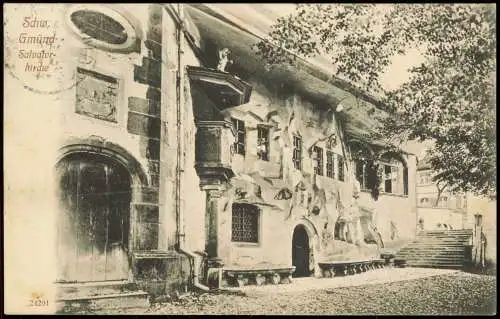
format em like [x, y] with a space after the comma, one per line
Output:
[245, 223]
[330, 167]
[340, 161]
[318, 160]
[297, 152]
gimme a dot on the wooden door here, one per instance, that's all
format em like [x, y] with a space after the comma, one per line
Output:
[300, 252]
[93, 228]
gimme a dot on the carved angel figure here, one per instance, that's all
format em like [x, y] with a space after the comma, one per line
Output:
[224, 59]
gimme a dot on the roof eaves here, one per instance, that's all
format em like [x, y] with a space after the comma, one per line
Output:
[315, 69]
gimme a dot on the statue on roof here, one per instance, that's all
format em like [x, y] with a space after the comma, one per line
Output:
[224, 59]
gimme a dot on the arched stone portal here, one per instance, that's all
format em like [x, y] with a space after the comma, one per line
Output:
[94, 222]
[98, 185]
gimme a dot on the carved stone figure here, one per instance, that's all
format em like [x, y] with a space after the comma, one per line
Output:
[224, 59]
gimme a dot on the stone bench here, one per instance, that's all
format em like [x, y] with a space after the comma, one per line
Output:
[258, 275]
[349, 267]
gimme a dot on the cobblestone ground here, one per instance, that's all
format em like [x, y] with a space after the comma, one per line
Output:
[456, 293]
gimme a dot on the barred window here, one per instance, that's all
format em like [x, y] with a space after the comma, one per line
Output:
[318, 160]
[263, 142]
[245, 223]
[297, 152]
[330, 167]
[239, 145]
[340, 164]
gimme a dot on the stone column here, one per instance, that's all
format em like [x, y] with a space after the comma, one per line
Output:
[213, 209]
[478, 253]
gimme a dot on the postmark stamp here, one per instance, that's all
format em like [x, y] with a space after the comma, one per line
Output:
[33, 46]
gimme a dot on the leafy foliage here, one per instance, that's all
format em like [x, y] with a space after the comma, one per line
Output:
[449, 98]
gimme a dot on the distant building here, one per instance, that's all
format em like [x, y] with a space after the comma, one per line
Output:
[450, 211]
[447, 212]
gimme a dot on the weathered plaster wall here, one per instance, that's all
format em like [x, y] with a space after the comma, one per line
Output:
[287, 115]
[192, 198]
[398, 209]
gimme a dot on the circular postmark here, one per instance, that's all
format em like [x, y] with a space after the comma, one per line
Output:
[33, 47]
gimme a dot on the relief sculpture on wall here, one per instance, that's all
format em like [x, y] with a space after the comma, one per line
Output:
[96, 95]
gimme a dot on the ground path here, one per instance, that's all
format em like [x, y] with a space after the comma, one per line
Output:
[388, 291]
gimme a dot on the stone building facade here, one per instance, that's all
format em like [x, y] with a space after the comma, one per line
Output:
[171, 160]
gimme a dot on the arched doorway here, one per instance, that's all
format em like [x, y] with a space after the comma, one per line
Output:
[94, 220]
[301, 252]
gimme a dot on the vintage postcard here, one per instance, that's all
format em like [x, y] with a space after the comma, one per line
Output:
[249, 159]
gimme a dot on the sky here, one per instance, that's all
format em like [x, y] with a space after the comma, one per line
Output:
[261, 16]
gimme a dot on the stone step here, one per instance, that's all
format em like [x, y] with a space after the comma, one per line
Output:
[457, 266]
[464, 238]
[431, 251]
[89, 304]
[429, 254]
[435, 261]
[444, 235]
[441, 239]
[435, 245]
[436, 248]
[75, 290]
[90, 297]
[432, 259]
[449, 231]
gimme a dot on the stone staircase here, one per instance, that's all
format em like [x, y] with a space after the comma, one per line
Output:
[97, 297]
[437, 249]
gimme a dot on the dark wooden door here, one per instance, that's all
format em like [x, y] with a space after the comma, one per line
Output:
[93, 227]
[300, 252]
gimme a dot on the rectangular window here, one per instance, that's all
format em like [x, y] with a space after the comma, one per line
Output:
[360, 173]
[405, 180]
[263, 142]
[330, 168]
[245, 223]
[340, 164]
[297, 152]
[318, 160]
[443, 202]
[239, 144]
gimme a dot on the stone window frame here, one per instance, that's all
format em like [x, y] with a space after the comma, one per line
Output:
[263, 141]
[340, 168]
[393, 161]
[424, 202]
[297, 146]
[115, 12]
[424, 178]
[250, 209]
[330, 164]
[318, 167]
[240, 138]
[360, 154]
